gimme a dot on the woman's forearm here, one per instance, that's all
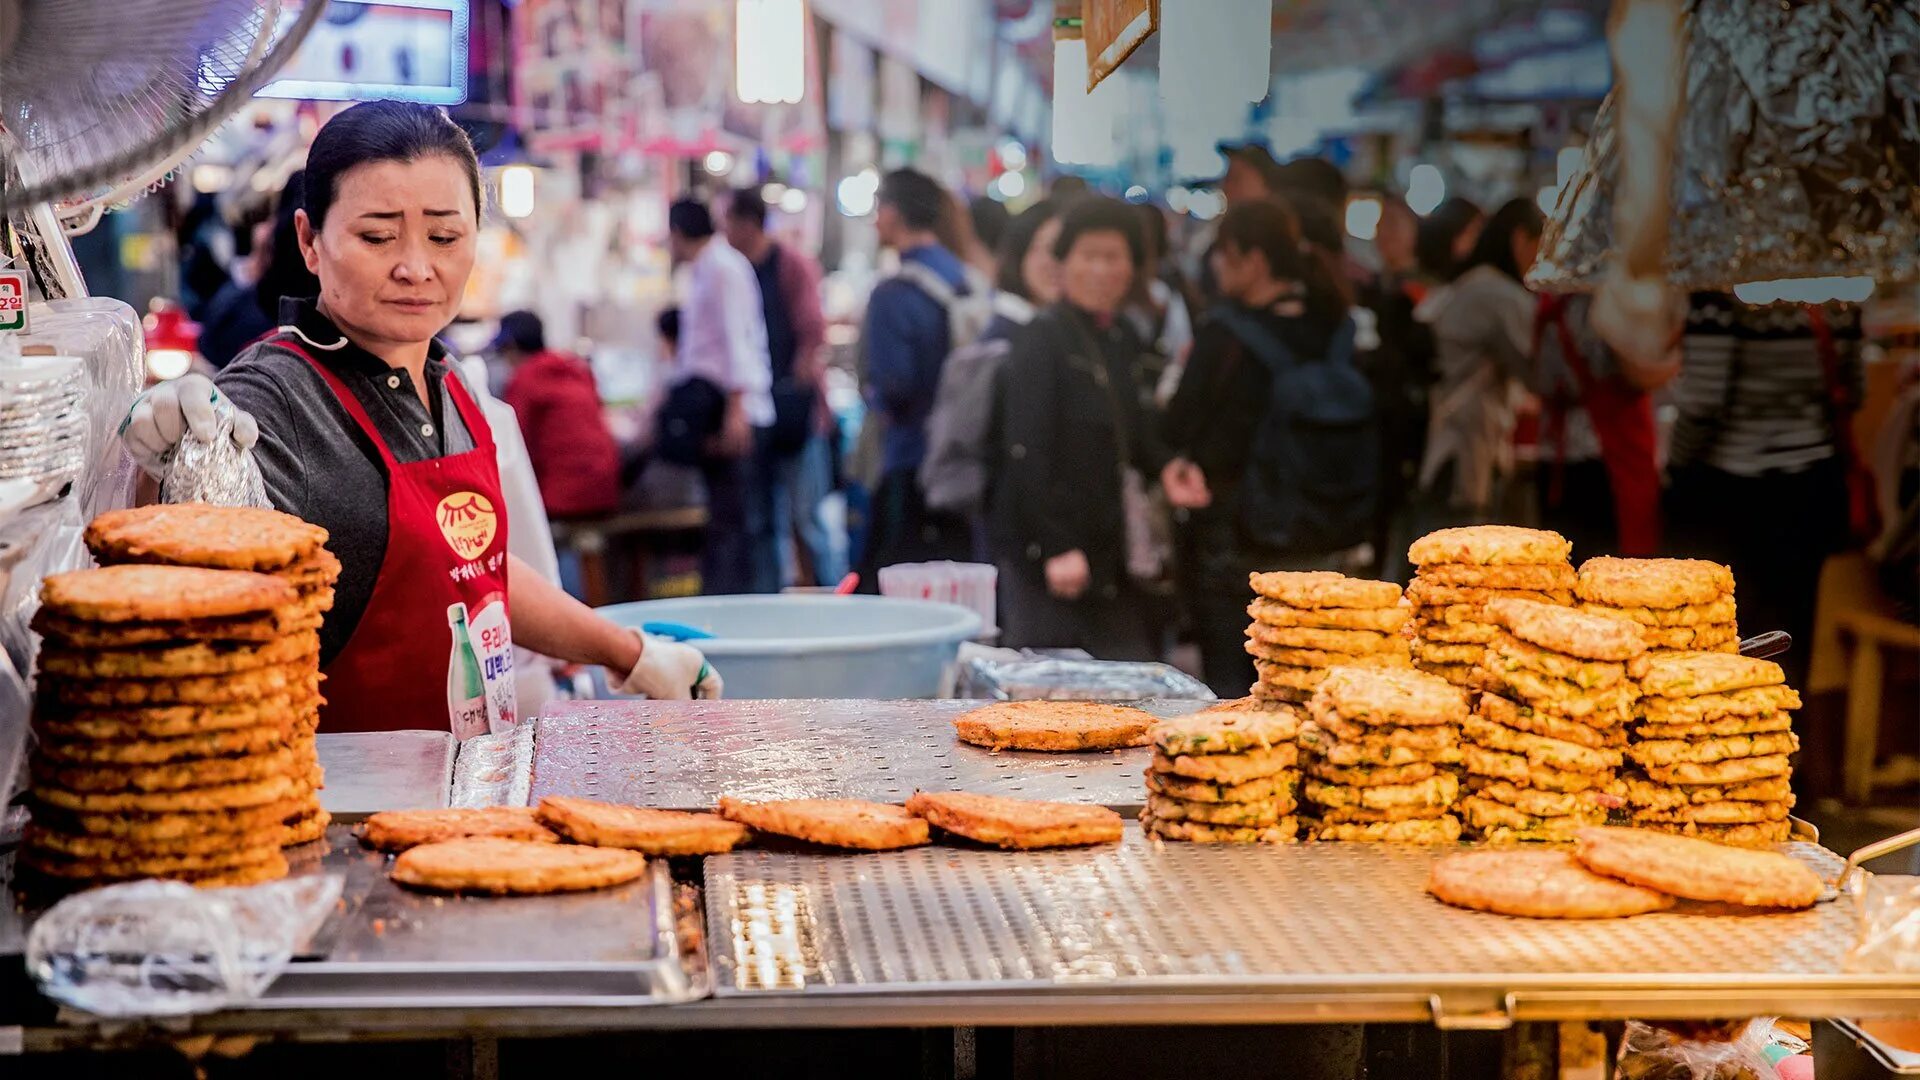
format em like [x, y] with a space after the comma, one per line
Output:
[552, 623]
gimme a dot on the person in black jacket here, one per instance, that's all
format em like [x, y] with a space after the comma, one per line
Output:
[1272, 276]
[1073, 440]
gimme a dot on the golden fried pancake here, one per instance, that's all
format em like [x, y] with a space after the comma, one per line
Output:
[1436, 791]
[318, 570]
[1426, 594]
[1509, 653]
[1758, 834]
[1285, 831]
[1423, 737]
[1228, 768]
[1757, 701]
[1354, 642]
[1361, 815]
[1732, 771]
[270, 866]
[280, 679]
[1244, 815]
[1563, 697]
[488, 864]
[113, 867]
[1582, 634]
[1535, 802]
[1264, 789]
[1380, 620]
[1053, 726]
[1318, 658]
[1537, 884]
[167, 776]
[1515, 768]
[1642, 792]
[1465, 676]
[1714, 813]
[636, 828]
[1448, 653]
[305, 828]
[1324, 589]
[1707, 637]
[1725, 725]
[1539, 577]
[1462, 615]
[1444, 829]
[1017, 824]
[197, 658]
[86, 634]
[1653, 583]
[1217, 731]
[1490, 545]
[1723, 610]
[1690, 674]
[1376, 751]
[1438, 631]
[1389, 698]
[113, 594]
[1486, 815]
[213, 744]
[198, 534]
[1280, 695]
[1538, 749]
[398, 830]
[1698, 870]
[1371, 775]
[1713, 748]
[847, 823]
[1248, 704]
[167, 828]
[90, 847]
[1526, 718]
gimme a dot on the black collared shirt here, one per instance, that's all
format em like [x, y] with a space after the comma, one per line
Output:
[318, 464]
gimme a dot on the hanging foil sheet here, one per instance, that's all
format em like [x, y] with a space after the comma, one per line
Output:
[217, 471]
[1798, 155]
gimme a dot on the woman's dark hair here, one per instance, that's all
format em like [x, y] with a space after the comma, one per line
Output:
[990, 221]
[1495, 246]
[1433, 239]
[1014, 245]
[285, 275]
[1095, 214]
[1270, 228]
[669, 325]
[382, 131]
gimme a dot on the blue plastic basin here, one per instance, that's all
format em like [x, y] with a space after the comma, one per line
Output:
[818, 646]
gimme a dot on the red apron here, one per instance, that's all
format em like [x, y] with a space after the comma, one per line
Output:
[1622, 419]
[434, 649]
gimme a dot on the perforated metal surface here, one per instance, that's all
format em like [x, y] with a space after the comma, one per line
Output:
[1142, 915]
[688, 754]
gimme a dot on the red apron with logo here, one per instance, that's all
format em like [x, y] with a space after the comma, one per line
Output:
[434, 649]
[1622, 419]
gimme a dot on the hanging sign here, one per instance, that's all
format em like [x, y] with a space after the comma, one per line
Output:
[13, 301]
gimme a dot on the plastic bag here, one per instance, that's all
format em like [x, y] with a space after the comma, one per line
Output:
[1714, 1050]
[217, 472]
[162, 948]
[1889, 941]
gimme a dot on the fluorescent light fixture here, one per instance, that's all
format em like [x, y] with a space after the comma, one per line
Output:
[770, 51]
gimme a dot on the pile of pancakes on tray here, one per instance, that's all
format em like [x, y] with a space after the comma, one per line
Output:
[1379, 752]
[1459, 572]
[177, 699]
[1543, 749]
[1226, 775]
[1308, 621]
[1711, 747]
[1681, 604]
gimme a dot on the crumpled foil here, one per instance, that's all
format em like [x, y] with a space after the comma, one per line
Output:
[162, 948]
[1798, 154]
[217, 472]
[1024, 677]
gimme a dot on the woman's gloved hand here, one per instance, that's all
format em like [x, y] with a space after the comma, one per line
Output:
[670, 671]
[175, 409]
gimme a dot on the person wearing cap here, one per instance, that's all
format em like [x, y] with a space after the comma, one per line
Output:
[558, 404]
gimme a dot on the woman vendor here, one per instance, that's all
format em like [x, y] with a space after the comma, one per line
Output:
[360, 425]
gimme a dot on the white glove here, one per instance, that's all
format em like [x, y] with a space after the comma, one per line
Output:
[670, 671]
[162, 416]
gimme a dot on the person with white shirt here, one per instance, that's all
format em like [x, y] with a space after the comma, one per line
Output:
[723, 339]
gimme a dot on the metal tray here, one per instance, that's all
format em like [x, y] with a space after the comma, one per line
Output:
[685, 755]
[369, 771]
[1346, 928]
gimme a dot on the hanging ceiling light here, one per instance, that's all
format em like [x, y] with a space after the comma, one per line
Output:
[770, 50]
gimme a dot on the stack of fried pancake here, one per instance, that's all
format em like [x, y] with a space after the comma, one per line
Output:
[168, 707]
[1305, 622]
[1683, 604]
[243, 538]
[1543, 748]
[1377, 755]
[1712, 746]
[1227, 775]
[1462, 570]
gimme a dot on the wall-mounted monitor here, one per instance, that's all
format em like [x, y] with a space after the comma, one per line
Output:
[409, 50]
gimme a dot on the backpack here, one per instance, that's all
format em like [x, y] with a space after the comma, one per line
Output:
[1312, 482]
[953, 476]
[968, 313]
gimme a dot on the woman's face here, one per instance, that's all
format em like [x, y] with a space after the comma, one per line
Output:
[1236, 273]
[1039, 269]
[1526, 248]
[1097, 273]
[397, 248]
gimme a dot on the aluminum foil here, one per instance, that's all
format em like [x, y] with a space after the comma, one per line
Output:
[495, 770]
[1010, 676]
[217, 472]
[161, 948]
[1798, 152]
